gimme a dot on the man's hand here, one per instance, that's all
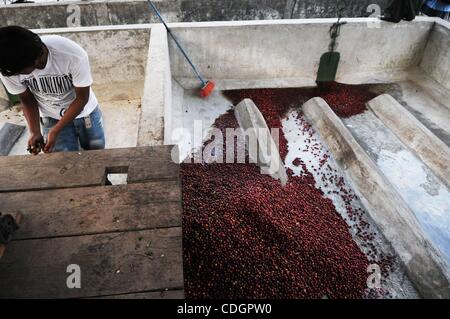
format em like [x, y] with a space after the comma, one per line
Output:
[31, 112]
[35, 143]
[51, 140]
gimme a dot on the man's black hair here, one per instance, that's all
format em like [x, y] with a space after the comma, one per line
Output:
[19, 49]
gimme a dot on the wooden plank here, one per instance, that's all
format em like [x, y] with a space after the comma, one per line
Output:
[9, 134]
[91, 210]
[171, 294]
[111, 264]
[146, 168]
[76, 169]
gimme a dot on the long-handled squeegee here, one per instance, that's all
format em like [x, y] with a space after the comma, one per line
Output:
[329, 61]
[207, 86]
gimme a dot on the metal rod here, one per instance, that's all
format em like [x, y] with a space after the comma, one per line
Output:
[153, 7]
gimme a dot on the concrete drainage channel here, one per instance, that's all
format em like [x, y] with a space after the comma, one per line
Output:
[398, 233]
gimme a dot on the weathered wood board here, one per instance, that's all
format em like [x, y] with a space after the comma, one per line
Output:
[93, 210]
[126, 239]
[110, 264]
[77, 169]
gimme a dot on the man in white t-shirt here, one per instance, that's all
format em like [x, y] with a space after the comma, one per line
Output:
[52, 77]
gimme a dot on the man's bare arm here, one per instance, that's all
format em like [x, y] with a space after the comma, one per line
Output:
[31, 111]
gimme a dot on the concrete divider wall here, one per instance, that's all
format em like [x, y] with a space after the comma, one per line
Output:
[436, 59]
[424, 265]
[157, 95]
[420, 140]
[261, 146]
[117, 12]
[292, 49]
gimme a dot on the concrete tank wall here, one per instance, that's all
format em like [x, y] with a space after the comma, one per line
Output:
[116, 55]
[118, 12]
[292, 49]
[436, 59]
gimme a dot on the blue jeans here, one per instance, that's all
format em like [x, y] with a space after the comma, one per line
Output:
[86, 132]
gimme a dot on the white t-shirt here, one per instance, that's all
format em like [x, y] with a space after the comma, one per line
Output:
[53, 87]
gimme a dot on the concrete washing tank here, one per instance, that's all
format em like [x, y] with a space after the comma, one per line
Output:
[150, 97]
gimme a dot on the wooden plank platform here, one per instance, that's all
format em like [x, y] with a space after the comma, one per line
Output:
[77, 169]
[126, 239]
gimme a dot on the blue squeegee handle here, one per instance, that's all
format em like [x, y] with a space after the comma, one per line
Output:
[152, 6]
